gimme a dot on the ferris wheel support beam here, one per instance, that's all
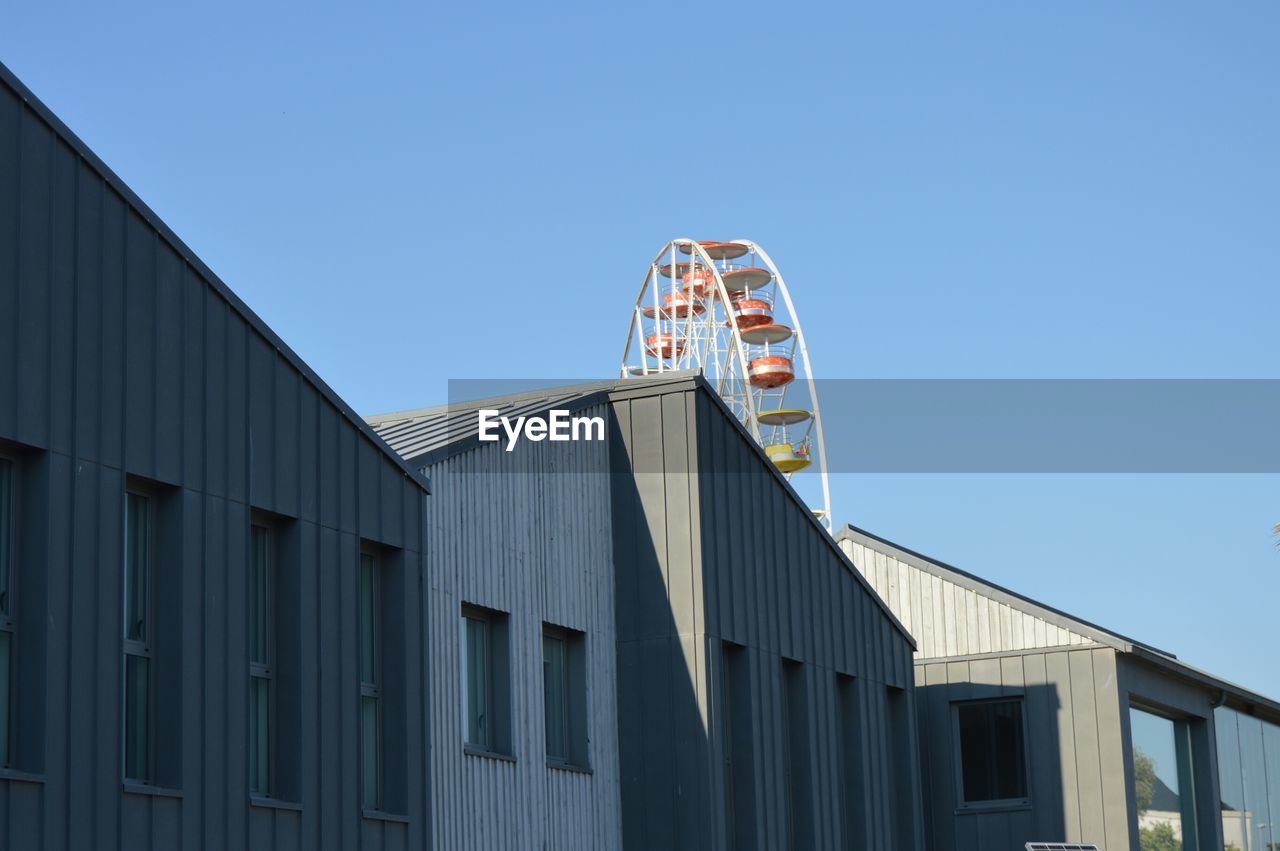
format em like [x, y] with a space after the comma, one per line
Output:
[804, 357]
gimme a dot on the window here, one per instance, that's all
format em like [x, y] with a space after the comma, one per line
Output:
[370, 682]
[853, 807]
[564, 693]
[6, 602]
[993, 760]
[738, 751]
[1164, 792]
[795, 724]
[903, 767]
[261, 658]
[138, 649]
[485, 688]
[1249, 775]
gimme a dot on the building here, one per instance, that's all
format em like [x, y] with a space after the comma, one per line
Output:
[211, 630]
[231, 616]
[746, 688]
[1036, 725]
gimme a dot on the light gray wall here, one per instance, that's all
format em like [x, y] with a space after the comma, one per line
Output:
[527, 533]
[119, 357]
[711, 548]
[945, 617]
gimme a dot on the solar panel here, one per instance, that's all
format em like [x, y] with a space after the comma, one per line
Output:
[1059, 846]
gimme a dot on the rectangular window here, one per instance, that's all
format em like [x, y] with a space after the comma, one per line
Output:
[993, 760]
[370, 682]
[564, 691]
[7, 524]
[738, 750]
[853, 817]
[1160, 753]
[1248, 773]
[485, 686]
[138, 649]
[795, 725]
[261, 658]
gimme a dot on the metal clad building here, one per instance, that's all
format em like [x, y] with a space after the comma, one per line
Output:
[154, 433]
[763, 693]
[1121, 745]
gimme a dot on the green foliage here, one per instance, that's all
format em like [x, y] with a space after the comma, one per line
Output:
[1158, 837]
[1144, 779]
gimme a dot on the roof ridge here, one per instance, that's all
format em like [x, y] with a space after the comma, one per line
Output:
[211, 279]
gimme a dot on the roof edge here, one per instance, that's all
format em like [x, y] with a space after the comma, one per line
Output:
[82, 150]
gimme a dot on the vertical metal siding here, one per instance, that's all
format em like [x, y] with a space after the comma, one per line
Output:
[709, 548]
[118, 357]
[528, 533]
[948, 619]
[1075, 756]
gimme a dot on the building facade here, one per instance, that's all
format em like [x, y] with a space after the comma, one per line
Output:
[1038, 726]
[211, 630]
[747, 688]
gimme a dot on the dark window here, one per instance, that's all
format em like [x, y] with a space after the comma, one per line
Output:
[853, 807]
[993, 760]
[370, 682]
[795, 724]
[138, 649]
[262, 667]
[564, 691]
[485, 686]
[738, 747]
[7, 525]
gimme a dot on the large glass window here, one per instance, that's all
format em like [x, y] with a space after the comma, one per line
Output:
[993, 759]
[485, 688]
[138, 649]
[370, 682]
[6, 603]
[1249, 777]
[261, 659]
[1164, 796]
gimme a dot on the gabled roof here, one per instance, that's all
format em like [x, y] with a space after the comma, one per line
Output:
[992, 590]
[8, 78]
[429, 435]
[1239, 695]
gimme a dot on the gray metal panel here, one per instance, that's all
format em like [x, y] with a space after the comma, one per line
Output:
[122, 356]
[1075, 756]
[765, 577]
[528, 533]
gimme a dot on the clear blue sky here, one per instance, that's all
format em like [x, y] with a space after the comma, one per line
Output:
[954, 190]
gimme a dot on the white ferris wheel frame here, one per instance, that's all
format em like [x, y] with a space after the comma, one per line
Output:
[704, 347]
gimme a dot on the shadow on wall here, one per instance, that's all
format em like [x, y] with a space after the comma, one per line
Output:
[978, 807]
[663, 743]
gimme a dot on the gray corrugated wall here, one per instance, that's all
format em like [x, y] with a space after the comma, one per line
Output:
[118, 358]
[527, 533]
[726, 555]
[1074, 746]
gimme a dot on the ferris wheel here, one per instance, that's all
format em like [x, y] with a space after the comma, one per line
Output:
[723, 308]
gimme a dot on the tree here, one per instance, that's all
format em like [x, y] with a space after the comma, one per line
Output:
[1158, 837]
[1144, 779]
